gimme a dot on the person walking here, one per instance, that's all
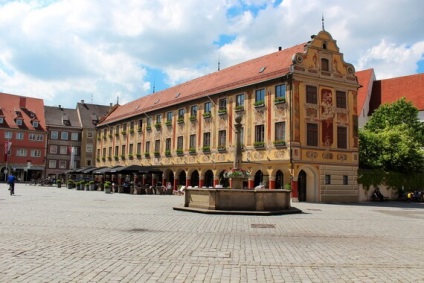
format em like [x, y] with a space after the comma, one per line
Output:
[11, 181]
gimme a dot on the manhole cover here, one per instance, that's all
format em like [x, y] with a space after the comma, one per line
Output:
[263, 225]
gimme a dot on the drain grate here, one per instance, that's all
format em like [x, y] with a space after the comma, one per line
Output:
[263, 225]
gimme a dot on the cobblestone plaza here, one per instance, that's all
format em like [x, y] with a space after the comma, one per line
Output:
[49, 234]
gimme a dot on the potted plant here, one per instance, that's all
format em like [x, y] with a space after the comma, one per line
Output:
[167, 152]
[157, 153]
[59, 183]
[87, 186]
[122, 156]
[116, 157]
[180, 120]
[158, 126]
[179, 151]
[239, 108]
[206, 148]
[139, 129]
[168, 123]
[207, 115]
[192, 150]
[278, 100]
[259, 144]
[131, 131]
[91, 185]
[222, 111]
[124, 133]
[71, 184]
[110, 136]
[259, 103]
[108, 187]
[147, 155]
[193, 118]
[138, 155]
[148, 127]
[279, 143]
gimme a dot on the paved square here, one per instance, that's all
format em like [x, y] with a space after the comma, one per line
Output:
[59, 235]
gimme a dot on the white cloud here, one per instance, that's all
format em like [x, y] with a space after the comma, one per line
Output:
[68, 50]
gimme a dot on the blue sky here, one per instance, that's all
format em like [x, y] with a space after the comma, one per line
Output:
[65, 51]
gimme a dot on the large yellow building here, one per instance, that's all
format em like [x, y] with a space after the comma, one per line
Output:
[298, 108]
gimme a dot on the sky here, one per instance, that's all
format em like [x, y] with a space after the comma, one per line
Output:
[108, 51]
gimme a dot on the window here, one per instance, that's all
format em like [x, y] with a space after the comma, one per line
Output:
[222, 137]
[312, 134]
[7, 135]
[64, 135]
[116, 150]
[259, 133]
[124, 127]
[159, 118]
[52, 163]
[180, 142]
[311, 94]
[98, 152]
[117, 129]
[19, 136]
[345, 180]
[157, 145]
[240, 100]
[168, 144]
[104, 152]
[74, 136]
[207, 139]
[132, 125]
[110, 151]
[181, 113]
[341, 137]
[324, 64]
[123, 150]
[89, 147]
[260, 96]
[1, 120]
[193, 111]
[192, 141]
[147, 146]
[131, 149]
[35, 153]
[222, 104]
[63, 150]
[280, 91]
[32, 137]
[140, 123]
[54, 135]
[139, 148]
[35, 124]
[21, 152]
[90, 134]
[53, 149]
[341, 99]
[169, 116]
[62, 164]
[327, 179]
[280, 131]
[149, 122]
[88, 162]
[208, 107]
[19, 122]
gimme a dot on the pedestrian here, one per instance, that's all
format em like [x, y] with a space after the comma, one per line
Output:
[11, 181]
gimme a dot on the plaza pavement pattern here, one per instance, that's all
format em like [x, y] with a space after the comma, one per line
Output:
[49, 234]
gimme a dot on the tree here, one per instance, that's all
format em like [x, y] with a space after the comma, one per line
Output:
[392, 140]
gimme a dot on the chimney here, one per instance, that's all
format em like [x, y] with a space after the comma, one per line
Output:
[22, 102]
[111, 104]
[82, 101]
[279, 48]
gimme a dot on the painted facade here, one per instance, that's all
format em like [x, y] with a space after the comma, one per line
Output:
[298, 109]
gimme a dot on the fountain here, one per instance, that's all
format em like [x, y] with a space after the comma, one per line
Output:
[237, 200]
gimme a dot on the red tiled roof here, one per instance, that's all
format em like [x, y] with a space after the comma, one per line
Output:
[365, 79]
[276, 64]
[390, 90]
[30, 109]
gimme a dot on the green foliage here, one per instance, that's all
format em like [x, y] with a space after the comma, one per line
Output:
[392, 140]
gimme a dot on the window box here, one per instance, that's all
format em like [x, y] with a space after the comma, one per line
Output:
[207, 115]
[139, 129]
[192, 150]
[104, 137]
[130, 156]
[222, 148]
[103, 159]
[110, 136]
[222, 111]
[168, 123]
[158, 126]
[98, 159]
[122, 157]
[167, 152]
[124, 133]
[156, 153]
[98, 138]
[279, 143]
[147, 155]
[193, 118]
[206, 149]
[116, 134]
[116, 157]
[138, 155]
[259, 144]
[179, 151]
[131, 131]
[239, 108]
[109, 158]
[279, 100]
[148, 127]
[180, 120]
[259, 103]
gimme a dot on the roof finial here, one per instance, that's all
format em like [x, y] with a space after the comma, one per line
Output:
[322, 20]
[154, 84]
[219, 61]
[117, 98]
